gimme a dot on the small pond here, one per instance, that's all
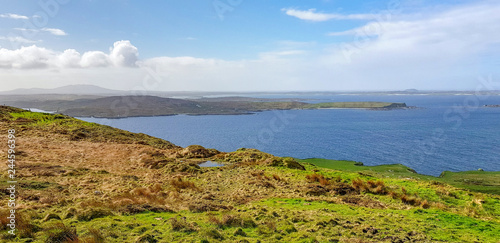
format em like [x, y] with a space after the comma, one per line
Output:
[210, 164]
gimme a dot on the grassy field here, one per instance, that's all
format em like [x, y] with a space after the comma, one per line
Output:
[84, 182]
[480, 181]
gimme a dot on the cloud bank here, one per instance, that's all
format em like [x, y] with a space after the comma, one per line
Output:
[122, 54]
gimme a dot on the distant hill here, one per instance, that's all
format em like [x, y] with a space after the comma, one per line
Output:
[80, 89]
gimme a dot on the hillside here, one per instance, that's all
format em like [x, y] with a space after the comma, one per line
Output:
[132, 106]
[84, 182]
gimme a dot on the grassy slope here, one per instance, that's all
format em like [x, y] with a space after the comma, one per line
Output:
[480, 181]
[94, 183]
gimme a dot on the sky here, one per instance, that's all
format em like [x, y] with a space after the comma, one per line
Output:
[243, 45]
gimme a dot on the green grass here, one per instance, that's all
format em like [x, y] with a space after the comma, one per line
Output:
[483, 181]
[287, 220]
[479, 181]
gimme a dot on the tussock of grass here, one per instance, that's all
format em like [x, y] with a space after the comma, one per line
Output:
[179, 184]
[181, 225]
[58, 232]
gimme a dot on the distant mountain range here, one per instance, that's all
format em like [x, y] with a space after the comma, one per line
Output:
[80, 89]
[84, 89]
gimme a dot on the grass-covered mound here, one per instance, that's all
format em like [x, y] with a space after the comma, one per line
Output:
[110, 185]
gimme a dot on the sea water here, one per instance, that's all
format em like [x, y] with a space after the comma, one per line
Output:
[450, 132]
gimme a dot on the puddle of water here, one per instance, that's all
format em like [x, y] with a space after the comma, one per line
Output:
[210, 164]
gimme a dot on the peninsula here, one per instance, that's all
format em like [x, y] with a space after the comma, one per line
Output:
[134, 106]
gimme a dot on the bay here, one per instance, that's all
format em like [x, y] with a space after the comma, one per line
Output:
[449, 132]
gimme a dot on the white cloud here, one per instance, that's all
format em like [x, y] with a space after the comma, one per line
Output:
[312, 15]
[124, 54]
[31, 57]
[13, 16]
[58, 32]
[53, 31]
[95, 59]
[18, 39]
[69, 59]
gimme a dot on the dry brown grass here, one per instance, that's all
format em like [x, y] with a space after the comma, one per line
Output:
[179, 184]
[260, 175]
[24, 223]
[425, 204]
[410, 200]
[374, 187]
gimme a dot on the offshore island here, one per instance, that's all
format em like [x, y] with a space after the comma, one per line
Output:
[83, 182]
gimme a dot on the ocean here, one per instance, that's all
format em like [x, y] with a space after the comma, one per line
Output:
[449, 132]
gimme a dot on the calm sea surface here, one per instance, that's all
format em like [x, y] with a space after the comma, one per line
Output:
[453, 133]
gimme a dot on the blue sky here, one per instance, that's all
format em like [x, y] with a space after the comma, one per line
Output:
[242, 45]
